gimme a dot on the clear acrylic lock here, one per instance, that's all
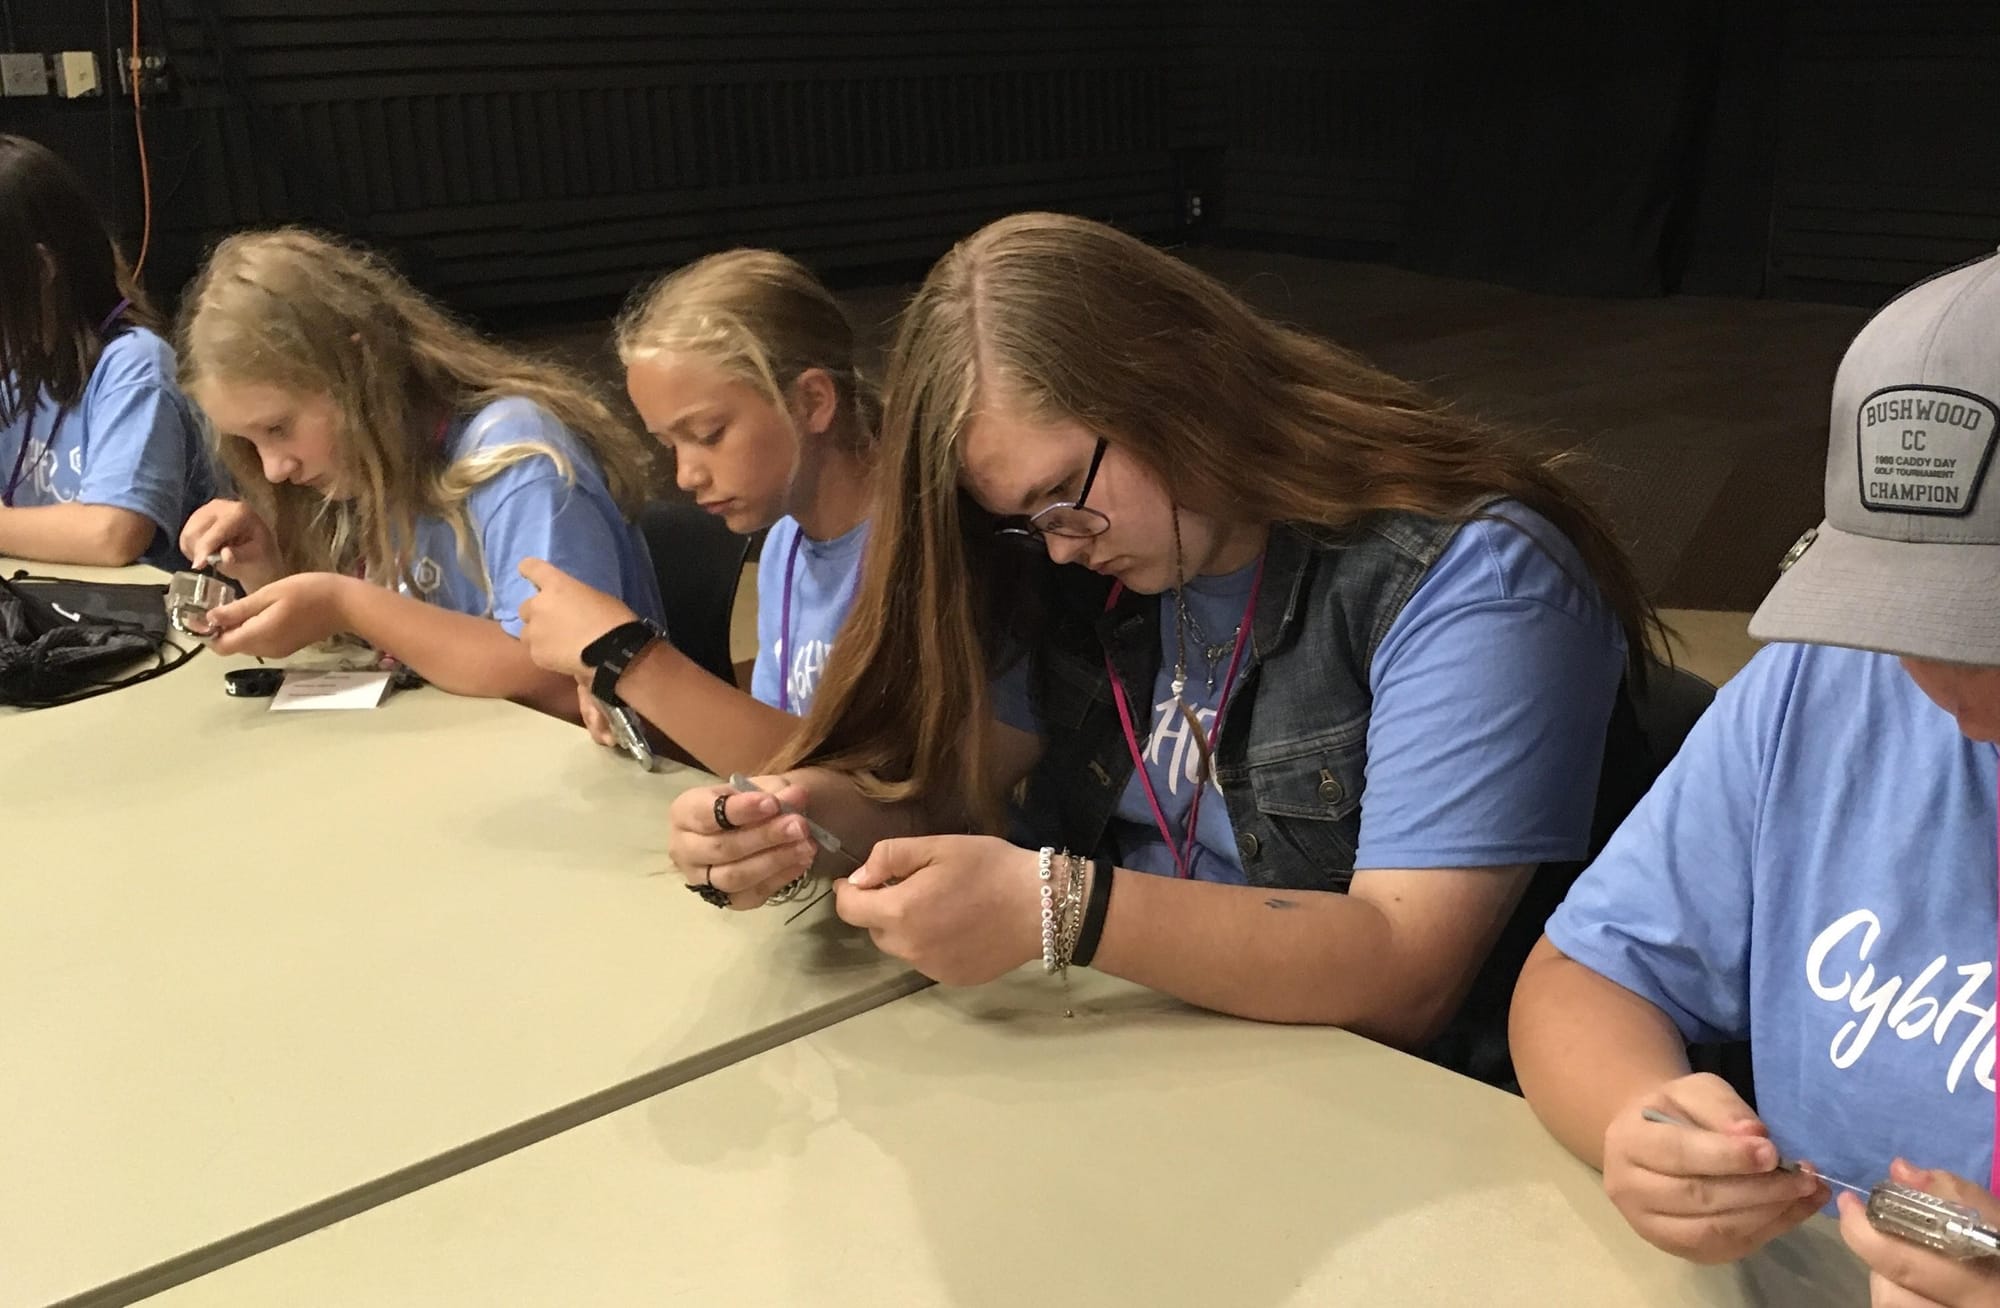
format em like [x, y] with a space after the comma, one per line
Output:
[1934, 1223]
[630, 734]
[190, 595]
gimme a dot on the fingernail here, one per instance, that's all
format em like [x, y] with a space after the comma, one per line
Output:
[797, 830]
[764, 806]
[1765, 1155]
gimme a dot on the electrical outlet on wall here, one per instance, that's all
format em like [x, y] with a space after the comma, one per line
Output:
[76, 74]
[24, 74]
[155, 77]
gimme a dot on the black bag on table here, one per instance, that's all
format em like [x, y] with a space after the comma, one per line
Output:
[63, 640]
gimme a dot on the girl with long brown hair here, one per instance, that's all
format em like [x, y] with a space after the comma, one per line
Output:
[100, 457]
[1302, 676]
[395, 469]
[743, 365]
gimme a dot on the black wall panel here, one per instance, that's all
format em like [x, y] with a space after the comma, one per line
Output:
[518, 155]
[1320, 106]
[1888, 157]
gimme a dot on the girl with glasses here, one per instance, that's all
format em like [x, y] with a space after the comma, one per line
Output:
[1304, 678]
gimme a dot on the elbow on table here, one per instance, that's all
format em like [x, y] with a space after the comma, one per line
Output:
[117, 538]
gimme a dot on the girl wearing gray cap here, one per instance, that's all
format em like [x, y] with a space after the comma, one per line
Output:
[1816, 871]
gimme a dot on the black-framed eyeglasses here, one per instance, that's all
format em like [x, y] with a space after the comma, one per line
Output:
[1066, 518]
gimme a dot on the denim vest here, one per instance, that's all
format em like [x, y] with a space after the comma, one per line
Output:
[1293, 755]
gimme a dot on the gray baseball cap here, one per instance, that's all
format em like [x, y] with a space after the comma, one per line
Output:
[1908, 559]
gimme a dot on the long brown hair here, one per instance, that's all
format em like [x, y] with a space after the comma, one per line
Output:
[1241, 418]
[762, 317]
[301, 311]
[61, 277]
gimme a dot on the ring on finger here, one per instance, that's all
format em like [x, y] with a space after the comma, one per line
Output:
[711, 893]
[722, 821]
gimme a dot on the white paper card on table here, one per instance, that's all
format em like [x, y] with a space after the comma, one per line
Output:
[331, 690]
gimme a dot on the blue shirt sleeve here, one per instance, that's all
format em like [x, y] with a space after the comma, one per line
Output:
[770, 596]
[141, 452]
[1665, 910]
[1492, 692]
[530, 511]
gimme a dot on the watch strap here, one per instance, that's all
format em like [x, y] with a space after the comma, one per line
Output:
[610, 654]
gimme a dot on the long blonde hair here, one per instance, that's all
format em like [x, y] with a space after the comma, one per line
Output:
[762, 317]
[1241, 418]
[297, 310]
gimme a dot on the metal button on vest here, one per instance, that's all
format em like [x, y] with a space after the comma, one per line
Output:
[1330, 791]
[1246, 845]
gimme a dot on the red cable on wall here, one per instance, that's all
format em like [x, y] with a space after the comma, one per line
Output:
[145, 164]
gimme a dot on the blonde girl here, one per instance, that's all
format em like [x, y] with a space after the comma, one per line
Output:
[395, 469]
[742, 364]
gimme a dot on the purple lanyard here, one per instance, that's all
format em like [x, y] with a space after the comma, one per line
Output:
[785, 621]
[785, 626]
[21, 463]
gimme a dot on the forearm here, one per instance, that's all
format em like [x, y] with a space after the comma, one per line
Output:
[1275, 956]
[453, 651]
[96, 534]
[717, 725]
[1584, 1047]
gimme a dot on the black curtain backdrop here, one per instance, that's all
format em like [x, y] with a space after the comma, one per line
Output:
[1561, 143]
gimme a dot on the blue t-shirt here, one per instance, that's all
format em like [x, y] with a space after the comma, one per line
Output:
[130, 443]
[824, 575]
[530, 510]
[1816, 871]
[1491, 691]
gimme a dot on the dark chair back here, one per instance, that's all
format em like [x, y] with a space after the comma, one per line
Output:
[1645, 732]
[699, 562]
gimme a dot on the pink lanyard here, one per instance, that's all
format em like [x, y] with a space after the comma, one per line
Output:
[1993, 1174]
[1183, 850]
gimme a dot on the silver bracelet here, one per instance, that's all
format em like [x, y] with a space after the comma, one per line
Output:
[1045, 869]
[1076, 884]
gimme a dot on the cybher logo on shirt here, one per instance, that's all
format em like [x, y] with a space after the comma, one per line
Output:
[1924, 449]
[1172, 745]
[1838, 970]
[807, 664]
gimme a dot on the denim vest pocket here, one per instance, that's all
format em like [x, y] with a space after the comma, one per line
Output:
[1307, 794]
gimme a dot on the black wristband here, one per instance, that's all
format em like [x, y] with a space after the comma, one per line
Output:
[1093, 914]
[610, 654]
